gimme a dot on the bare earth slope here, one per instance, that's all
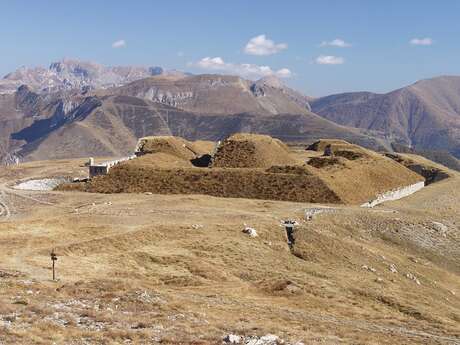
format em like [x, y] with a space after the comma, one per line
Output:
[425, 115]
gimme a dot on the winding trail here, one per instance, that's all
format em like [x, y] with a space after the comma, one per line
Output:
[4, 209]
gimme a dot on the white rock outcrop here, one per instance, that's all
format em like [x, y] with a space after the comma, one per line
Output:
[269, 339]
[393, 268]
[251, 232]
[232, 339]
[413, 277]
[441, 228]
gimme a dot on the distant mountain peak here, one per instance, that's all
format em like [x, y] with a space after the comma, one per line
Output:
[272, 81]
[68, 73]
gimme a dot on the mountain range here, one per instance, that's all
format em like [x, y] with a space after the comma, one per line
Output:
[77, 109]
[70, 74]
[424, 116]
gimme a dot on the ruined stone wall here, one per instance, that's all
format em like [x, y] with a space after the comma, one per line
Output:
[395, 194]
[104, 168]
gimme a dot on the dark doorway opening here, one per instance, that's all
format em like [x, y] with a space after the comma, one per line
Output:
[203, 161]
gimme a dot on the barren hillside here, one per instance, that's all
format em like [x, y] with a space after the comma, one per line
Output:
[178, 269]
[111, 125]
[217, 94]
[425, 115]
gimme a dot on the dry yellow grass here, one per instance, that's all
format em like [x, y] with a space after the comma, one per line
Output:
[276, 183]
[174, 146]
[356, 174]
[252, 151]
[177, 269]
[260, 167]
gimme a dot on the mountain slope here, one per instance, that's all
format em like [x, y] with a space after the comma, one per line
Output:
[111, 125]
[425, 115]
[24, 108]
[217, 94]
[100, 127]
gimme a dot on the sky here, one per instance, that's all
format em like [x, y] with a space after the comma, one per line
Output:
[318, 47]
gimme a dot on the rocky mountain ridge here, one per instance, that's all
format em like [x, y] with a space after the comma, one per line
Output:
[69, 74]
[217, 94]
[424, 115]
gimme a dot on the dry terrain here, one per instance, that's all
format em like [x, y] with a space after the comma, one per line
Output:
[147, 268]
[256, 166]
[424, 115]
[39, 124]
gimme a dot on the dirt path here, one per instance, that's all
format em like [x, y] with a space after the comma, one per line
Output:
[4, 208]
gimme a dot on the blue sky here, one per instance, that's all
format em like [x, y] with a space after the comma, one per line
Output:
[376, 53]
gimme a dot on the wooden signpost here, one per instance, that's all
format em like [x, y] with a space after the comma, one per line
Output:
[53, 259]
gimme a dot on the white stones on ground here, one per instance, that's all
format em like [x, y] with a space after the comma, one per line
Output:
[369, 268]
[412, 277]
[293, 288]
[269, 339]
[313, 211]
[7, 320]
[232, 339]
[393, 269]
[197, 226]
[378, 280]
[441, 228]
[41, 185]
[251, 232]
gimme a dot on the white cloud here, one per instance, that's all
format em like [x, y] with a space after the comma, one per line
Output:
[283, 73]
[329, 60]
[211, 63]
[421, 41]
[336, 43]
[261, 45]
[180, 54]
[245, 70]
[119, 44]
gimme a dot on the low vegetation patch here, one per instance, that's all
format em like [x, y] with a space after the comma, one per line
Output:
[252, 151]
[236, 183]
[322, 162]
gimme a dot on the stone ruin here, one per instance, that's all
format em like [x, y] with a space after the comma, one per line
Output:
[104, 167]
